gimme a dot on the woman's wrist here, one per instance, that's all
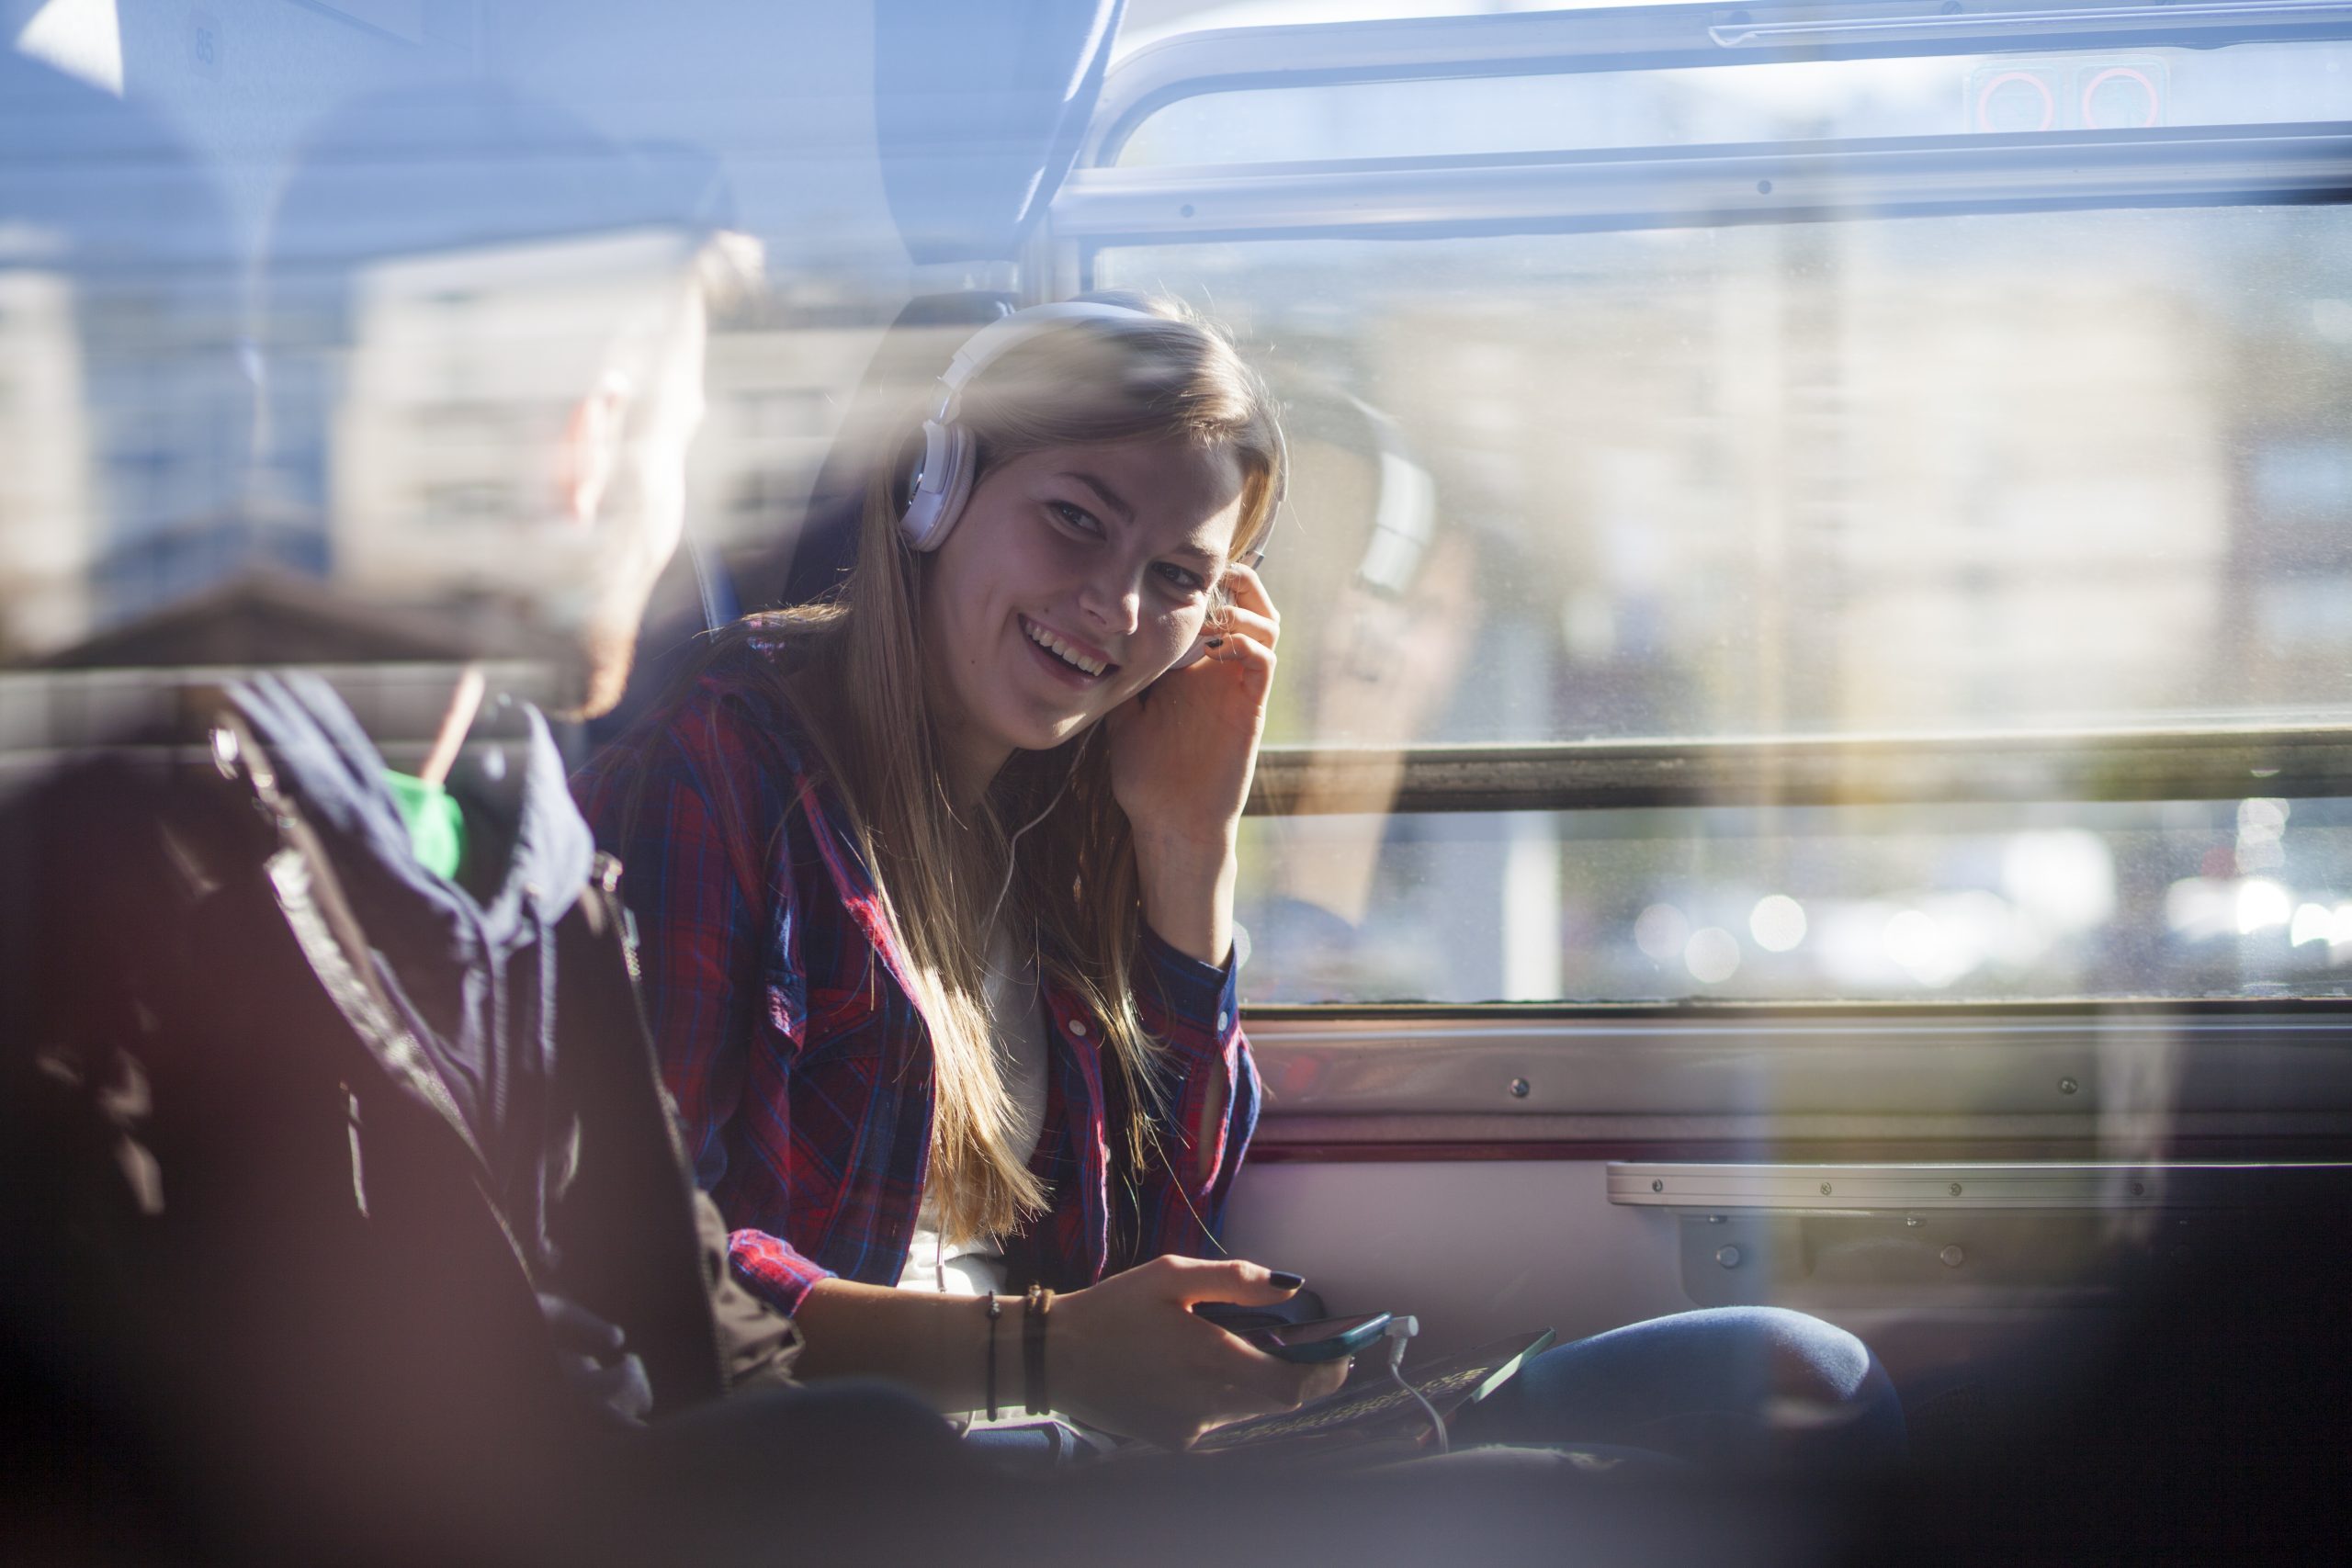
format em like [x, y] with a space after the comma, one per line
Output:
[1187, 888]
[1070, 1339]
[936, 1345]
[1036, 1382]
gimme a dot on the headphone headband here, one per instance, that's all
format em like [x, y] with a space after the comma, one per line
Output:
[943, 482]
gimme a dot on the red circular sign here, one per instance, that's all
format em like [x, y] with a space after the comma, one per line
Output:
[2110, 74]
[1984, 98]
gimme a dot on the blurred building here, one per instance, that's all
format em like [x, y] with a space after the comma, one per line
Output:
[1817, 487]
[50, 513]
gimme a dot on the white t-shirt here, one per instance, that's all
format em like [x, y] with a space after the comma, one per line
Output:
[1017, 1023]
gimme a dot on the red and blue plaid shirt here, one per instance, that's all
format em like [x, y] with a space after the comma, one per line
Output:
[799, 1062]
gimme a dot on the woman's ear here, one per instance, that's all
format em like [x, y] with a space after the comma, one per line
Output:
[592, 449]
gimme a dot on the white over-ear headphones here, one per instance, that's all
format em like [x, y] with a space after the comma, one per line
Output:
[942, 483]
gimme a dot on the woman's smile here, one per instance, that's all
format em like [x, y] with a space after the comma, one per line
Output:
[1080, 665]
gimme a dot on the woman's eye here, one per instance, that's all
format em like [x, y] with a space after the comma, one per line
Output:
[1181, 580]
[1074, 517]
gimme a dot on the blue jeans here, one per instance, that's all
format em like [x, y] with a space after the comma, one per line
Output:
[1728, 1386]
[1741, 1386]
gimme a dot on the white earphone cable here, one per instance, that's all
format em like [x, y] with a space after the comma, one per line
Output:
[1400, 1330]
[1005, 888]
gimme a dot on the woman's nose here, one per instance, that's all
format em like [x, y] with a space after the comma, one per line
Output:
[1114, 604]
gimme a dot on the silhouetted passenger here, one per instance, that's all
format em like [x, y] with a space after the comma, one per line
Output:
[342, 1188]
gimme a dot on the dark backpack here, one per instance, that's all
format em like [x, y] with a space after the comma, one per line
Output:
[249, 1241]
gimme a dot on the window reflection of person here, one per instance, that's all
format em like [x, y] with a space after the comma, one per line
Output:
[1383, 643]
[1387, 664]
[469, 282]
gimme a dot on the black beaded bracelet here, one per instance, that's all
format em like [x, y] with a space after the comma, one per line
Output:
[995, 1311]
[1039, 1302]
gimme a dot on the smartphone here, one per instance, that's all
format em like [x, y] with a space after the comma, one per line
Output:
[1325, 1339]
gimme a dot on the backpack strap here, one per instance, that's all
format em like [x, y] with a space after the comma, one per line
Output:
[326, 930]
[641, 1262]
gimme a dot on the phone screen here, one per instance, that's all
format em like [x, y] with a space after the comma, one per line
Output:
[1292, 1335]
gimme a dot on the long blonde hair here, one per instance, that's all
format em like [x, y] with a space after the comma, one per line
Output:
[853, 670]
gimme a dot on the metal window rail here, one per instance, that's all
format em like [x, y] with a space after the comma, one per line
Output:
[1677, 187]
[2202, 764]
[1663, 37]
[2028, 1071]
[1909, 1189]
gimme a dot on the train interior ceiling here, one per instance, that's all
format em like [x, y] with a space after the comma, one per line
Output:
[1811, 762]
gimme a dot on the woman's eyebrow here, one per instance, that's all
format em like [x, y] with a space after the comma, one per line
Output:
[1109, 497]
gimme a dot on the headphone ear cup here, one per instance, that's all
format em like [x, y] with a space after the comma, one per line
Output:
[937, 496]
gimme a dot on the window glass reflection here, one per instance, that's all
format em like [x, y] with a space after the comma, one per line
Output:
[1949, 903]
[2049, 470]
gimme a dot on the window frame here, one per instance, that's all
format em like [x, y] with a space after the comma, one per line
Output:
[1658, 37]
[2207, 762]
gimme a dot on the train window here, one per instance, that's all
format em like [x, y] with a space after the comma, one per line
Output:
[1821, 569]
[2023, 469]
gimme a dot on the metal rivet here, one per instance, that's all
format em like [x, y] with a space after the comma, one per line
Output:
[1728, 1256]
[1715, 1219]
[1952, 1256]
[1519, 1087]
[1657, 1184]
[1078, 1026]
[1824, 1189]
[1913, 1222]
[1955, 1188]
[2067, 1086]
[224, 751]
[1221, 1019]
[2139, 1190]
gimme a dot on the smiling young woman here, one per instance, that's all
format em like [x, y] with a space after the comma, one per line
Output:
[936, 882]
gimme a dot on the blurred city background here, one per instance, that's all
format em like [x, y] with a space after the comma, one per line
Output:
[2078, 472]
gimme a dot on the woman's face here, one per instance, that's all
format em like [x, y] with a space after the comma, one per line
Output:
[1075, 577]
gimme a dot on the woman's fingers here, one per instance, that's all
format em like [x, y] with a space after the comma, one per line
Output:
[1234, 621]
[1189, 1280]
[1247, 600]
[1248, 591]
[1279, 1387]
[1244, 650]
[1323, 1378]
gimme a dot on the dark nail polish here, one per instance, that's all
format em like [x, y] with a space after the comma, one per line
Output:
[1283, 1280]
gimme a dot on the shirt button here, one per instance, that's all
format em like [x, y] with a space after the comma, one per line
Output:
[1220, 1024]
[1078, 1026]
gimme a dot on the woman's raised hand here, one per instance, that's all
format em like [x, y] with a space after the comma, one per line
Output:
[1182, 752]
[1129, 1356]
